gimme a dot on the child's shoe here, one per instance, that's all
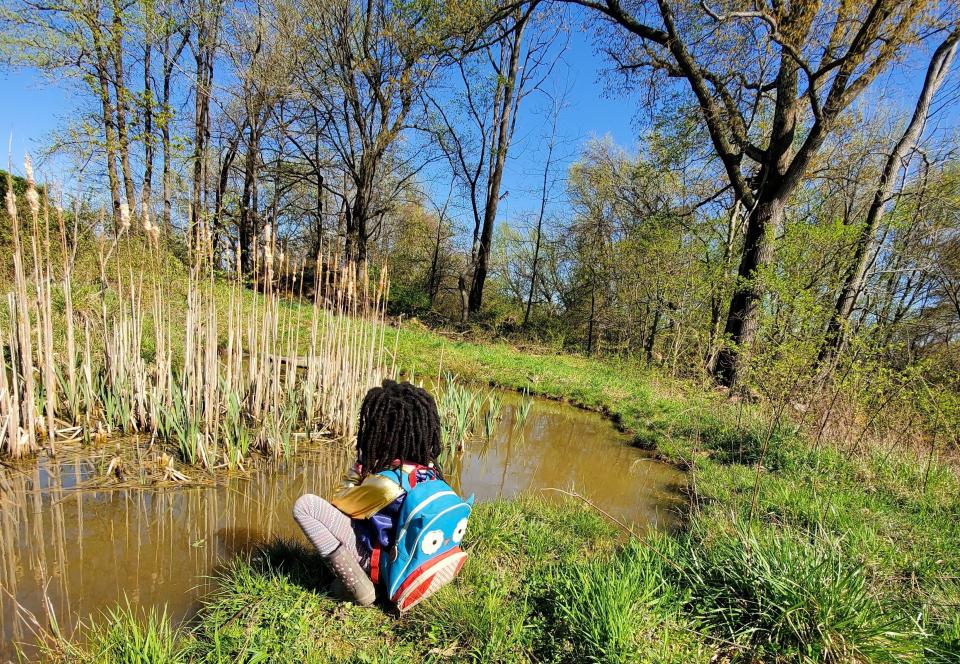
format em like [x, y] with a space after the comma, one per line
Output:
[354, 584]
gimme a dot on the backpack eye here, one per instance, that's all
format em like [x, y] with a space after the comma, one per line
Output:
[460, 530]
[431, 542]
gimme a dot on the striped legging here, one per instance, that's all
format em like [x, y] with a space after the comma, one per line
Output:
[326, 526]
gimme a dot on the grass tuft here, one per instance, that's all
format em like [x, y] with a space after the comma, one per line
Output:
[782, 595]
[122, 636]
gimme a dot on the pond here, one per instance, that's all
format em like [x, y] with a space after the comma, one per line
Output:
[72, 552]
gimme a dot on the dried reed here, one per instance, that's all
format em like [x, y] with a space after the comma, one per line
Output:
[217, 373]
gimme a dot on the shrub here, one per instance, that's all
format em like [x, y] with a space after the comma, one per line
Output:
[411, 300]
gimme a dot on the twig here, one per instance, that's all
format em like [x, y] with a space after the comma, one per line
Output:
[574, 494]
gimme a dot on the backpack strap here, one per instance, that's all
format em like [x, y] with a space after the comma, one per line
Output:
[375, 563]
[412, 475]
[399, 473]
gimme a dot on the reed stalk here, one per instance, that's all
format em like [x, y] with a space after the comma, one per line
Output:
[21, 439]
[231, 365]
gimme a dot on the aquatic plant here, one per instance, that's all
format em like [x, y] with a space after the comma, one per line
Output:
[523, 408]
[492, 414]
[465, 413]
[458, 407]
[217, 370]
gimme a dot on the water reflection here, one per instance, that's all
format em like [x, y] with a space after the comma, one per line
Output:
[69, 552]
[566, 448]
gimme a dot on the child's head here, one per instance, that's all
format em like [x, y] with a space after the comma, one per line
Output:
[397, 421]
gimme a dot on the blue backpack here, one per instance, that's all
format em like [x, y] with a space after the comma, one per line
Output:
[426, 552]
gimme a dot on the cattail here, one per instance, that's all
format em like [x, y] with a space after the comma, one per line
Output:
[33, 198]
[11, 200]
[267, 248]
[124, 216]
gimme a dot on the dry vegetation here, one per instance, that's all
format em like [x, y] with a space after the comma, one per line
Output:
[217, 373]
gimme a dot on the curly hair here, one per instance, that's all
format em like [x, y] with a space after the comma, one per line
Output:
[398, 421]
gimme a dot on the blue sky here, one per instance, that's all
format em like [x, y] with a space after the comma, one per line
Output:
[35, 107]
[31, 110]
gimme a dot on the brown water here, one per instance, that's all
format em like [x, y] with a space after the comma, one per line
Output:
[70, 552]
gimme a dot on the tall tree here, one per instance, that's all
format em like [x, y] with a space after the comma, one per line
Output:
[175, 35]
[81, 43]
[122, 95]
[207, 18]
[795, 67]
[865, 245]
[148, 105]
[363, 66]
[477, 125]
[505, 101]
[557, 107]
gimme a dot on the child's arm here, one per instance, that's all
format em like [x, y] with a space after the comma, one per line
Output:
[363, 500]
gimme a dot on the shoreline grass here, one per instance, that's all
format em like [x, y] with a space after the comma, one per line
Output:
[891, 515]
[817, 554]
[511, 604]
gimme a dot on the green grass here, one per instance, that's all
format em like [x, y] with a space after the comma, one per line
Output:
[824, 555]
[122, 636]
[661, 413]
[525, 595]
[869, 538]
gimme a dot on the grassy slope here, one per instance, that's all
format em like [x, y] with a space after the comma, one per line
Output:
[882, 516]
[847, 556]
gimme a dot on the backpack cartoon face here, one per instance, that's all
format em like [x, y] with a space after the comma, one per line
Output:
[426, 553]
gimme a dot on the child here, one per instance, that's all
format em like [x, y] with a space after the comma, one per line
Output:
[399, 433]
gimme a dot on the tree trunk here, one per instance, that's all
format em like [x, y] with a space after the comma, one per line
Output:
[433, 278]
[120, 85]
[356, 240]
[110, 139]
[165, 140]
[543, 209]
[533, 271]
[744, 314]
[169, 61]
[223, 179]
[593, 307]
[147, 192]
[464, 299]
[247, 222]
[206, 44]
[319, 175]
[199, 141]
[716, 302]
[652, 336]
[505, 120]
[866, 243]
